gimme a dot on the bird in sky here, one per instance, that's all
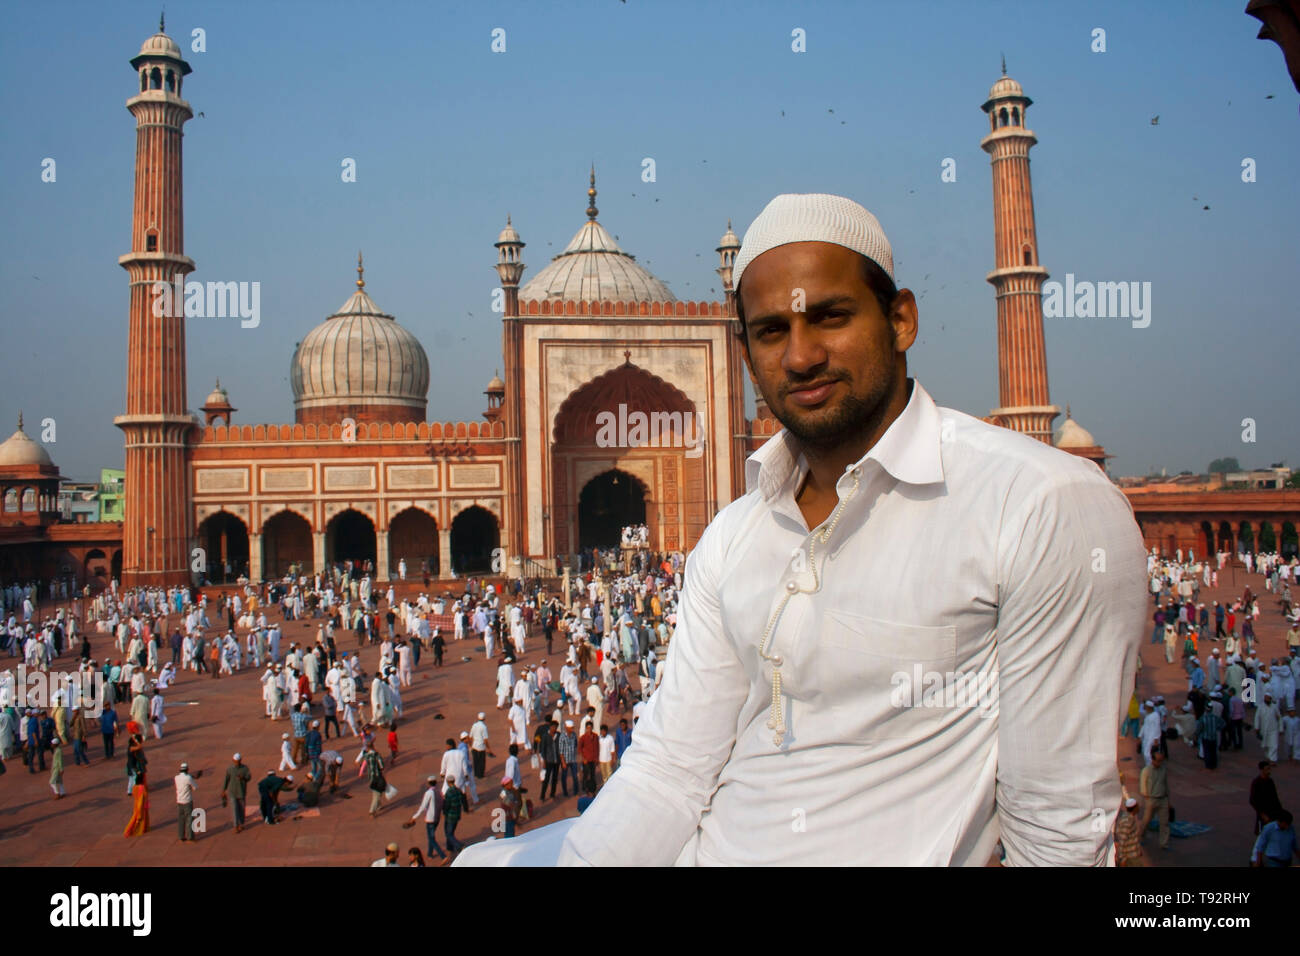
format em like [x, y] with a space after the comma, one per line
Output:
[1155, 120]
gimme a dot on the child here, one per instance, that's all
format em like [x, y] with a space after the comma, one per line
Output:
[392, 743]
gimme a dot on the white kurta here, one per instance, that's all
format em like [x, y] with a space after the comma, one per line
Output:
[1010, 528]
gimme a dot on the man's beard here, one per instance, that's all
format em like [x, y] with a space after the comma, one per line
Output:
[853, 419]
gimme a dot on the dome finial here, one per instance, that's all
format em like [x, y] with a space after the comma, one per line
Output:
[361, 272]
[1004, 64]
[1067, 410]
[20, 419]
[162, 20]
[591, 195]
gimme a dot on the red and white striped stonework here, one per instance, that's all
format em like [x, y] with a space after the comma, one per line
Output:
[156, 426]
[1025, 405]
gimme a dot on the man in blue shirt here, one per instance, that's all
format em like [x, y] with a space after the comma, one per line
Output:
[108, 728]
[1276, 844]
[622, 738]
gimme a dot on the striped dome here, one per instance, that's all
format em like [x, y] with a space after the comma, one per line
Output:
[593, 267]
[360, 357]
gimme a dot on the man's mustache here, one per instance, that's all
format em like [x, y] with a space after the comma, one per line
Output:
[794, 385]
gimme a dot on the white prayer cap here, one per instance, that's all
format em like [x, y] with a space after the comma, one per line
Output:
[481, 715]
[1150, 703]
[814, 217]
[284, 736]
[1130, 803]
[235, 757]
[464, 734]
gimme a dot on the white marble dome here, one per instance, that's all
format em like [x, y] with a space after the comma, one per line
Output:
[592, 266]
[19, 450]
[360, 356]
[160, 44]
[1073, 435]
[1005, 86]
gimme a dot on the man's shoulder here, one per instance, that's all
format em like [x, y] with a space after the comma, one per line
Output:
[995, 452]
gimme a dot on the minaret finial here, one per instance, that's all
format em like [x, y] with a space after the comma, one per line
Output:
[1004, 64]
[591, 195]
[507, 219]
[361, 272]
[162, 21]
[20, 419]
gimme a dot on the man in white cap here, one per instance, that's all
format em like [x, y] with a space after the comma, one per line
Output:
[1152, 729]
[806, 601]
[286, 754]
[1268, 725]
[597, 700]
[467, 778]
[235, 788]
[185, 787]
[479, 749]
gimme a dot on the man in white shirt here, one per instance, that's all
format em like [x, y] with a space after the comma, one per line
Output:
[185, 787]
[822, 673]
[430, 808]
[453, 766]
[479, 749]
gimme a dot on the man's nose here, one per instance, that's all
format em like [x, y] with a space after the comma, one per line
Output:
[804, 349]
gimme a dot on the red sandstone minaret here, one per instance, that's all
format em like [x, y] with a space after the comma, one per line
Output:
[157, 425]
[1018, 278]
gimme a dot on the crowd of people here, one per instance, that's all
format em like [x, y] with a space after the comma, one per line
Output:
[1231, 687]
[566, 720]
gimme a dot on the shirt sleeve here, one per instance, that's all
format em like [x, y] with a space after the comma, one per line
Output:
[647, 811]
[1071, 612]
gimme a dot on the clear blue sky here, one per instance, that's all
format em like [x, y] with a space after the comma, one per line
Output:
[449, 137]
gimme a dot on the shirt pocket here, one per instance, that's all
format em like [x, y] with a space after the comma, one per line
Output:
[874, 674]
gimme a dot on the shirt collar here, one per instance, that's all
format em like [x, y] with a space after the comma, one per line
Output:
[908, 450]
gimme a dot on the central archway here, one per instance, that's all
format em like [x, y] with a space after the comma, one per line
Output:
[609, 503]
[630, 421]
[413, 535]
[475, 536]
[224, 539]
[286, 541]
[350, 536]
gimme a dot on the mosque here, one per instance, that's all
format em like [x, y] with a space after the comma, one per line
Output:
[363, 473]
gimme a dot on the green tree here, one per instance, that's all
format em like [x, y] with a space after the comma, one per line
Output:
[1224, 464]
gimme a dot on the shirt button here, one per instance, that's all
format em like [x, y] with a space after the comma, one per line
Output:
[791, 586]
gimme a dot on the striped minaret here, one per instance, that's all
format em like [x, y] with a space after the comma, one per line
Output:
[157, 427]
[1018, 278]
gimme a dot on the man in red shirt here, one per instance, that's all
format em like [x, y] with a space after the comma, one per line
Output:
[589, 754]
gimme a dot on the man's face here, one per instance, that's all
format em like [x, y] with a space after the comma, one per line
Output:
[829, 371]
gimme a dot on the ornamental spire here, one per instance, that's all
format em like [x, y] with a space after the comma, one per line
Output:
[361, 272]
[591, 195]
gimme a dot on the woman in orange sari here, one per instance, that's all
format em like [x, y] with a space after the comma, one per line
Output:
[139, 824]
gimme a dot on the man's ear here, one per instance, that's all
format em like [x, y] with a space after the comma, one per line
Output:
[904, 320]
